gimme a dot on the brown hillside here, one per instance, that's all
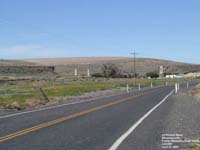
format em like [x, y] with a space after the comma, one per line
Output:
[143, 65]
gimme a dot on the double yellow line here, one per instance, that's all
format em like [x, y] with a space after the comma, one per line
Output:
[56, 121]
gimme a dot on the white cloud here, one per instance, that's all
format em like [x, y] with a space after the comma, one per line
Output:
[33, 51]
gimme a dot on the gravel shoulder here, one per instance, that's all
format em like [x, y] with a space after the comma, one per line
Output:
[178, 117]
[184, 119]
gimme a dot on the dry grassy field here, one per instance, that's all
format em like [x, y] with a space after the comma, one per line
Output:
[196, 92]
[125, 64]
[70, 61]
[15, 63]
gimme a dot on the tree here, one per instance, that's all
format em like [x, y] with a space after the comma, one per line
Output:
[110, 70]
[152, 74]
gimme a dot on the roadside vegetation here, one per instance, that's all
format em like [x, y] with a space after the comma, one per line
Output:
[19, 94]
[196, 92]
[152, 75]
[195, 146]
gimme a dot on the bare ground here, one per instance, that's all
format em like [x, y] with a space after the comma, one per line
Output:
[184, 118]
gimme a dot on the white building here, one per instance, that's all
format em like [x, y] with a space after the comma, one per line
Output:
[173, 76]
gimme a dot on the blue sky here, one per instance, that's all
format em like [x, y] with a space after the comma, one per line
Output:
[168, 29]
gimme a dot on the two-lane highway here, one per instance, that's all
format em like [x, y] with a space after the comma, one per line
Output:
[90, 125]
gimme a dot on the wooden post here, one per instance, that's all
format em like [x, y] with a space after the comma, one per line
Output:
[44, 94]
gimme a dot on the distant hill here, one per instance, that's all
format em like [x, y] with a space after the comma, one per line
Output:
[4, 62]
[19, 68]
[143, 65]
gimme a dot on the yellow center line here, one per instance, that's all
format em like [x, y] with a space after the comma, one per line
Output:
[59, 120]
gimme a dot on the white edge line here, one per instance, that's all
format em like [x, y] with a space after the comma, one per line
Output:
[46, 108]
[131, 129]
[57, 106]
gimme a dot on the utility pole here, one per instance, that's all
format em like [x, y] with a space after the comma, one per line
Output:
[134, 68]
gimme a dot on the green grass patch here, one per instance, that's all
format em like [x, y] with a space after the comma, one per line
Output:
[21, 92]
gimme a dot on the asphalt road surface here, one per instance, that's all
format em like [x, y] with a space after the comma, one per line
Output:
[118, 122]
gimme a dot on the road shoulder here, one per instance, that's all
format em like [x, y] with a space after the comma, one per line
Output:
[178, 117]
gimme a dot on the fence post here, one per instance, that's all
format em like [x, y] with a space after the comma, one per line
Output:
[88, 72]
[139, 88]
[176, 87]
[127, 88]
[151, 85]
[44, 94]
[75, 72]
